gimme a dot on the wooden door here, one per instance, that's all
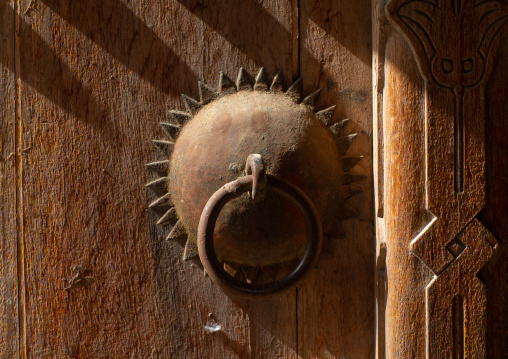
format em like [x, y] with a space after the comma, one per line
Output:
[419, 272]
[85, 273]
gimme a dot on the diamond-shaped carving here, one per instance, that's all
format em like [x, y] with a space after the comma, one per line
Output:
[456, 247]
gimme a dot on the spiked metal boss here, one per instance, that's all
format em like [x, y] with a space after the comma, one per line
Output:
[188, 157]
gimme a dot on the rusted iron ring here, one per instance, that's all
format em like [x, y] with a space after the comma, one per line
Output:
[206, 228]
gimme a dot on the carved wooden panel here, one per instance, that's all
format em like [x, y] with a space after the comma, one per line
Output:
[454, 44]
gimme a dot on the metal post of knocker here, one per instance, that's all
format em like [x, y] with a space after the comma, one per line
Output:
[261, 186]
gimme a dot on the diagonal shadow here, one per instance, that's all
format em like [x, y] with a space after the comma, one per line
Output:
[244, 20]
[246, 25]
[43, 70]
[116, 29]
[252, 29]
[341, 22]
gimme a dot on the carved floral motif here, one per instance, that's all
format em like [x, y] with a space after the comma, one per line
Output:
[453, 39]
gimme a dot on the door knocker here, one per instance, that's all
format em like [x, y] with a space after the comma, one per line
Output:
[241, 138]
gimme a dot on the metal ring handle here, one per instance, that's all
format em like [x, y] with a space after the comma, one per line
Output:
[207, 225]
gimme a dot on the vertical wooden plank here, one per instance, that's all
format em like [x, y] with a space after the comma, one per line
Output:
[336, 306]
[255, 35]
[380, 30]
[251, 35]
[495, 214]
[404, 180]
[8, 216]
[97, 77]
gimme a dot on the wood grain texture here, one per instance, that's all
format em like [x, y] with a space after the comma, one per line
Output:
[404, 200]
[251, 35]
[495, 214]
[441, 229]
[8, 158]
[380, 31]
[97, 77]
[336, 304]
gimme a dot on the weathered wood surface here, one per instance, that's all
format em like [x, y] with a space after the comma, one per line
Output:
[380, 27]
[404, 160]
[336, 306]
[97, 77]
[443, 149]
[95, 275]
[495, 214]
[8, 190]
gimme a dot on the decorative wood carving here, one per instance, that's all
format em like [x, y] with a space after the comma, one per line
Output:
[456, 299]
[454, 43]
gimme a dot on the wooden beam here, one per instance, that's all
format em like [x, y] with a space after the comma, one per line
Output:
[9, 161]
[336, 306]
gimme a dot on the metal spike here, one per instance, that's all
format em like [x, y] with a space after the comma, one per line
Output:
[261, 81]
[343, 143]
[312, 99]
[337, 127]
[325, 116]
[164, 201]
[191, 249]
[350, 178]
[272, 271]
[178, 117]
[335, 229]
[231, 268]
[169, 217]
[347, 212]
[191, 105]
[171, 130]
[243, 81]
[251, 273]
[349, 162]
[206, 93]
[263, 278]
[350, 191]
[160, 184]
[178, 231]
[165, 147]
[295, 90]
[161, 167]
[277, 83]
[226, 85]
